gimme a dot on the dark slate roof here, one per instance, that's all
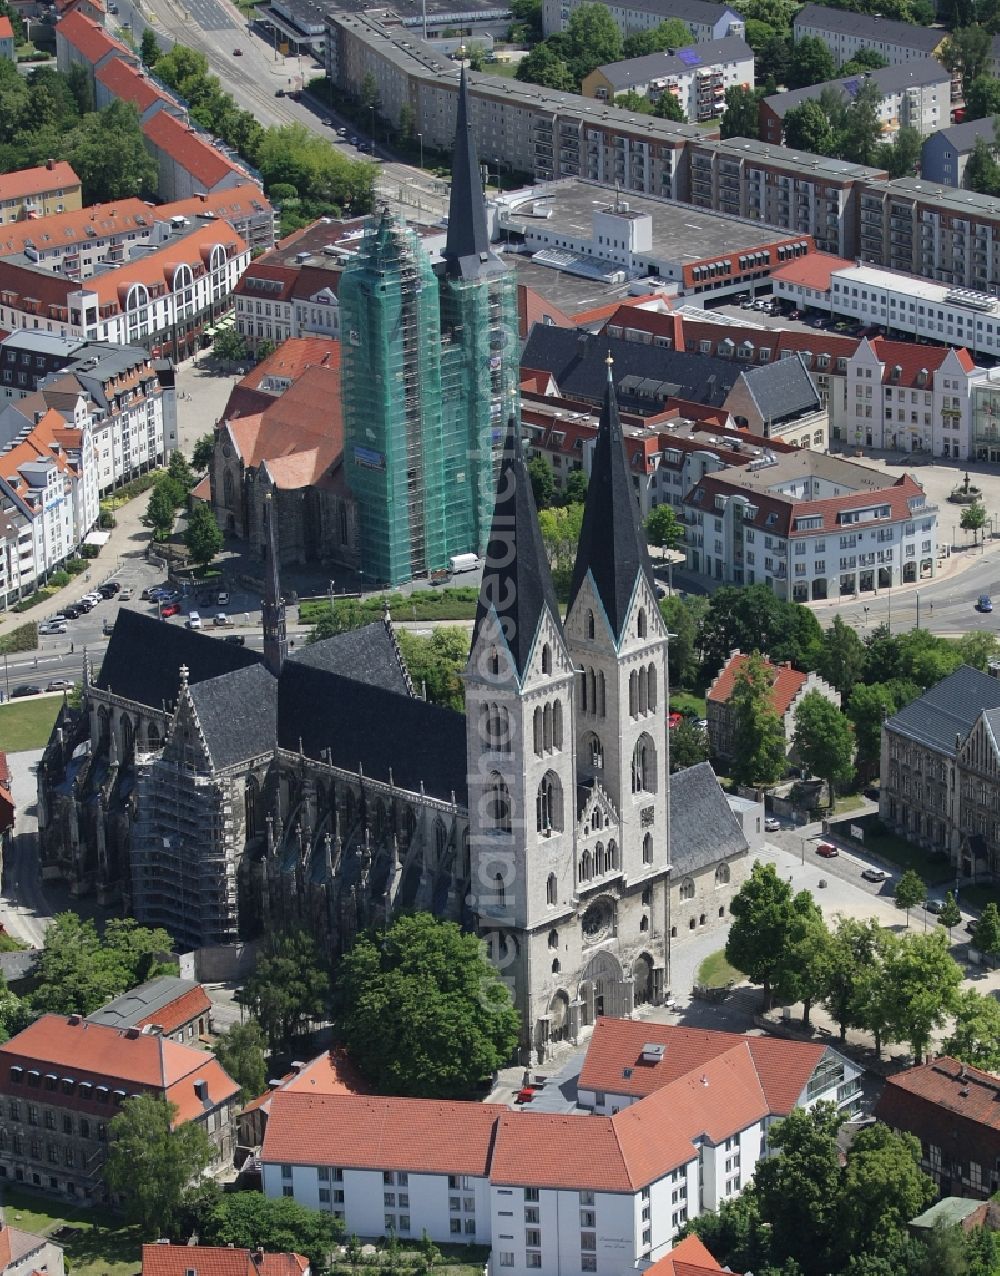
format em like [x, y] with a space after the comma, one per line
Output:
[238, 714]
[145, 654]
[868, 26]
[631, 71]
[917, 73]
[367, 655]
[612, 545]
[517, 583]
[963, 137]
[644, 375]
[467, 245]
[703, 827]
[782, 390]
[377, 729]
[127, 1010]
[948, 710]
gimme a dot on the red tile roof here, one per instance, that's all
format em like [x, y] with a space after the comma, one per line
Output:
[217, 1260]
[688, 1257]
[188, 148]
[90, 39]
[175, 1014]
[783, 1067]
[532, 308]
[912, 359]
[948, 1104]
[194, 249]
[812, 271]
[786, 685]
[6, 30]
[329, 1073]
[421, 1136]
[65, 230]
[300, 435]
[49, 440]
[235, 203]
[291, 359]
[36, 181]
[129, 84]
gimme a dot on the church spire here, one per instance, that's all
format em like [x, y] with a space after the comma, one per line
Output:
[273, 612]
[612, 547]
[467, 246]
[517, 584]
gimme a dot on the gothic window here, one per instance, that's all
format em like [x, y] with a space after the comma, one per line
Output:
[555, 966]
[546, 658]
[600, 861]
[549, 804]
[597, 821]
[592, 690]
[536, 731]
[229, 489]
[498, 805]
[641, 623]
[440, 840]
[591, 628]
[502, 738]
[251, 802]
[547, 728]
[499, 891]
[596, 752]
[612, 854]
[722, 875]
[586, 866]
[647, 849]
[152, 736]
[496, 728]
[687, 888]
[644, 766]
[494, 661]
[557, 725]
[343, 524]
[410, 822]
[553, 939]
[103, 725]
[633, 694]
[583, 690]
[651, 687]
[128, 738]
[551, 890]
[600, 704]
[643, 691]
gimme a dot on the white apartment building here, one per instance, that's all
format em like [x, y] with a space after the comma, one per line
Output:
[845, 34]
[706, 20]
[556, 1194]
[697, 77]
[811, 526]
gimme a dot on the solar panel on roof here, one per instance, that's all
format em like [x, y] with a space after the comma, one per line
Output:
[689, 57]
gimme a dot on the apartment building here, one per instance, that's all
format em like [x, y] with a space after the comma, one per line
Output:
[120, 81]
[78, 244]
[811, 526]
[80, 41]
[188, 162]
[915, 94]
[63, 1080]
[601, 1193]
[845, 34]
[945, 154]
[706, 20]
[39, 192]
[698, 77]
[16, 553]
[532, 130]
[788, 689]
[163, 300]
[806, 194]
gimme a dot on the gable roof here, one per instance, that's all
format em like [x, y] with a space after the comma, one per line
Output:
[218, 1260]
[688, 1257]
[127, 670]
[632, 71]
[166, 1001]
[129, 84]
[612, 548]
[703, 826]
[786, 685]
[781, 390]
[90, 39]
[370, 655]
[870, 27]
[948, 1104]
[963, 137]
[947, 710]
[329, 1073]
[517, 584]
[34, 181]
[237, 713]
[188, 148]
[917, 73]
[814, 270]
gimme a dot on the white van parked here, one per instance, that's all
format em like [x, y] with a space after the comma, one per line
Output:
[463, 563]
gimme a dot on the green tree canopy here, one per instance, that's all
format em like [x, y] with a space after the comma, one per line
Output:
[78, 971]
[543, 482]
[753, 619]
[740, 118]
[546, 67]
[560, 528]
[902, 155]
[975, 1038]
[909, 892]
[811, 62]
[203, 536]
[807, 128]
[161, 510]
[250, 1220]
[671, 34]
[151, 1161]
[688, 745]
[982, 101]
[108, 154]
[869, 705]
[966, 53]
[150, 49]
[824, 740]
[230, 345]
[204, 450]
[950, 914]
[422, 1011]
[883, 1187]
[841, 657]
[633, 101]
[663, 528]
[973, 518]
[240, 1050]
[180, 471]
[683, 617]
[852, 950]
[290, 985]
[986, 932]
[982, 172]
[759, 744]
[592, 39]
[437, 663]
[862, 126]
[762, 911]
[923, 979]
[805, 966]
[864, 60]
[667, 107]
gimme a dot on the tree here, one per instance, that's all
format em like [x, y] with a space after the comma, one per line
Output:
[575, 492]
[545, 67]
[864, 60]
[902, 156]
[475, 55]
[407, 123]
[803, 971]
[982, 172]
[824, 740]
[966, 53]
[543, 483]
[560, 528]
[667, 107]
[852, 949]
[758, 732]
[982, 101]
[107, 151]
[150, 49]
[688, 745]
[923, 979]
[240, 1050]
[78, 83]
[762, 913]
[909, 892]
[869, 705]
[663, 528]
[872, 1005]
[807, 128]
[369, 91]
[811, 62]
[203, 536]
[740, 118]
[753, 619]
[527, 25]
[975, 1038]
[841, 657]
[683, 616]
[78, 971]
[950, 914]
[249, 1220]
[862, 126]
[592, 39]
[290, 985]
[973, 519]
[883, 1188]
[978, 648]
[422, 1011]
[151, 1160]
[436, 663]
[161, 510]
[635, 102]
[180, 471]
[230, 346]
[671, 34]
[986, 932]
[204, 450]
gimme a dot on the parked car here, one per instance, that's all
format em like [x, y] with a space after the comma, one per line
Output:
[933, 906]
[772, 824]
[169, 609]
[279, 92]
[53, 627]
[72, 612]
[125, 595]
[221, 619]
[194, 621]
[827, 851]
[874, 875]
[60, 684]
[25, 689]
[237, 53]
[109, 588]
[222, 598]
[984, 603]
[236, 639]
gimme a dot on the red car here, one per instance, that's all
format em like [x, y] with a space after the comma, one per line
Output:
[826, 851]
[169, 609]
[674, 720]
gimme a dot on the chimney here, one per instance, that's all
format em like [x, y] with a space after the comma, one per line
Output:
[73, 1020]
[132, 1034]
[50, 164]
[201, 1090]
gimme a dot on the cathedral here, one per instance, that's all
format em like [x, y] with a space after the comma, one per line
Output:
[224, 794]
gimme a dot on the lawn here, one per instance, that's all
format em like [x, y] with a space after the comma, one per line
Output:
[685, 702]
[716, 972]
[458, 603]
[98, 1244]
[27, 724]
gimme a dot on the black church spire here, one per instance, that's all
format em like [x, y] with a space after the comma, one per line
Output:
[273, 611]
[467, 246]
[517, 584]
[612, 544]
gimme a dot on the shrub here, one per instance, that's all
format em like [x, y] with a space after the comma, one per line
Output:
[39, 596]
[106, 520]
[23, 638]
[75, 566]
[90, 551]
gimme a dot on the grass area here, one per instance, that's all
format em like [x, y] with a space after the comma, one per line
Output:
[847, 802]
[685, 702]
[430, 604]
[895, 849]
[23, 638]
[716, 972]
[27, 724]
[507, 69]
[98, 1243]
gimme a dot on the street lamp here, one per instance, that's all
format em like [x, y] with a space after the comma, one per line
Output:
[420, 139]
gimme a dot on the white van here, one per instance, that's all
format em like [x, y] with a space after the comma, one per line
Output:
[463, 563]
[194, 621]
